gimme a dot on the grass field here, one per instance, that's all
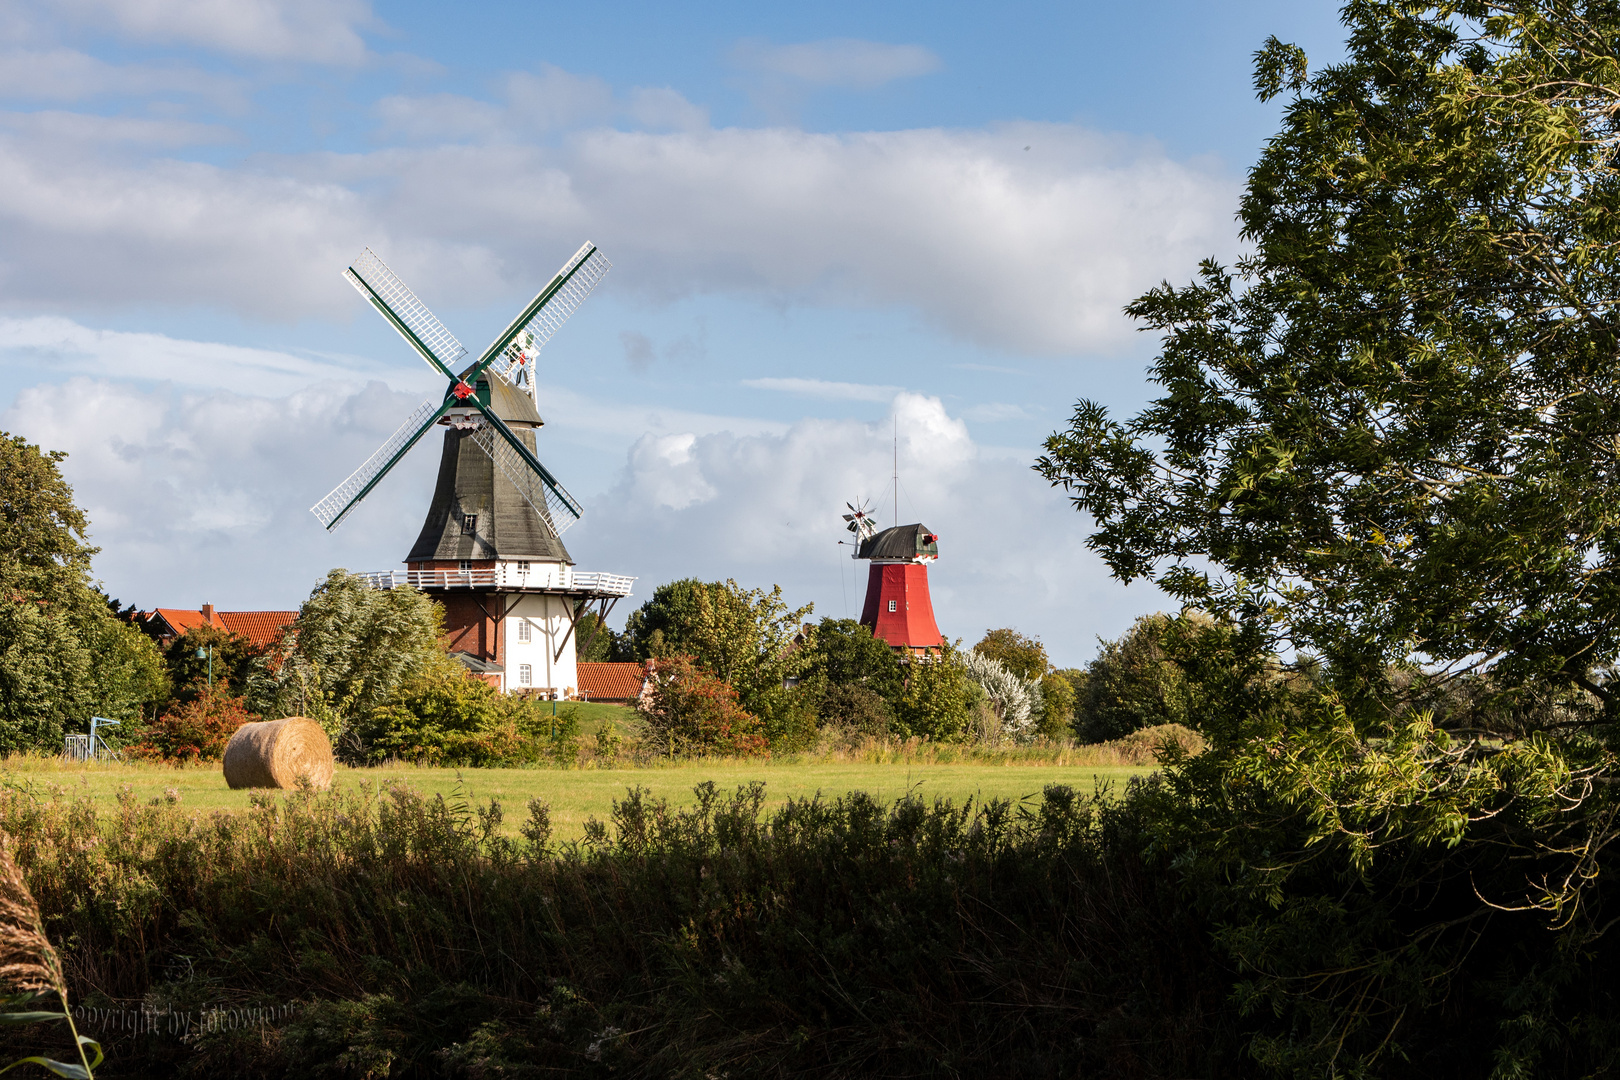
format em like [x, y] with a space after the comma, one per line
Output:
[578, 794]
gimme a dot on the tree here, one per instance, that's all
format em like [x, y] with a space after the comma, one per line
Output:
[234, 662]
[349, 649]
[1132, 684]
[1390, 430]
[595, 641]
[662, 623]
[847, 653]
[1016, 700]
[64, 656]
[746, 637]
[935, 702]
[1387, 446]
[688, 710]
[1024, 656]
[1057, 706]
[195, 729]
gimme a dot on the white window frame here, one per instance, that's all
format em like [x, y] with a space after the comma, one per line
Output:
[525, 675]
[894, 605]
[525, 632]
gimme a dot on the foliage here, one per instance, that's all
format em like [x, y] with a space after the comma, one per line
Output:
[936, 699]
[844, 652]
[595, 641]
[853, 706]
[1057, 706]
[447, 716]
[194, 729]
[235, 659]
[1390, 430]
[1017, 701]
[349, 650]
[64, 655]
[660, 627]
[1132, 684]
[833, 937]
[1024, 656]
[689, 710]
[747, 637]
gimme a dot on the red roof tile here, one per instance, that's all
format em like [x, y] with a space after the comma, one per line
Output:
[259, 627]
[611, 682]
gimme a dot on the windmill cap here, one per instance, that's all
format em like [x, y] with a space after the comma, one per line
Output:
[901, 542]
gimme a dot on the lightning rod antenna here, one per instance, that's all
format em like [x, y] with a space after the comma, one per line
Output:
[897, 468]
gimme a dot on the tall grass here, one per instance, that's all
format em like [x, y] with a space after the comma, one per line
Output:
[841, 937]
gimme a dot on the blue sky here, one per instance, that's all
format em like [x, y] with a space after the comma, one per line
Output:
[827, 222]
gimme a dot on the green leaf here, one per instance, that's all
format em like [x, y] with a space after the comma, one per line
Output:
[60, 1068]
[29, 1017]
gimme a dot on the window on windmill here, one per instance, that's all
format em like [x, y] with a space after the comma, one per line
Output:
[469, 524]
[523, 568]
[525, 632]
[465, 566]
[525, 675]
[894, 605]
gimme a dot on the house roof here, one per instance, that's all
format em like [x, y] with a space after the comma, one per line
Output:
[601, 681]
[259, 627]
[180, 620]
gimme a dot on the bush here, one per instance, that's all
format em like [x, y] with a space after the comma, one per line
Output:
[937, 698]
[193, 730]
[448, 716]
[687, 710]
[1133, 684]
[855, 707]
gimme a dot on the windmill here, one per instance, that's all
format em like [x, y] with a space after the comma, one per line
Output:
[859, 520]
[490, 549]
[510, 357]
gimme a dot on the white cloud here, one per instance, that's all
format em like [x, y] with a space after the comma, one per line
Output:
[305, 31]
[840, 62]
[60, 347]
[107, 131]
[203, 496]
[764, 509]
[1029, 251]
[69, 75]
[827, 391]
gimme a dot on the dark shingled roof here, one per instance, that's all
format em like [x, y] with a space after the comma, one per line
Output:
[901, 542]
[471, 486]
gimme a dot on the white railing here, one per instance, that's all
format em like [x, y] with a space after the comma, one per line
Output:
[549, 576]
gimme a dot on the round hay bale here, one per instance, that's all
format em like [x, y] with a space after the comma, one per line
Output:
[275, 753]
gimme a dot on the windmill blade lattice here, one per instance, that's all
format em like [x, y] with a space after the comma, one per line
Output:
[347, 495]
[415, 323]
[558, 300]
[545, 496]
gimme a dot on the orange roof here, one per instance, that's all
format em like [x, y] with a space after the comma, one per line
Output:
[611, 682]
[182, 620]
[259, 627]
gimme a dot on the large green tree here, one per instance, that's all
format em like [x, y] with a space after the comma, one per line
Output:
[1393, 428]
[1388, 446]
[64, 654]
[350, 649]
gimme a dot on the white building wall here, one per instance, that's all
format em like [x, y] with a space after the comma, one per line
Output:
[547, 620]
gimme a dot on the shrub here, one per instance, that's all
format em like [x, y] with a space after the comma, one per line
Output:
[937, 698]
[853, 706]
[687, 710]
[193, 730]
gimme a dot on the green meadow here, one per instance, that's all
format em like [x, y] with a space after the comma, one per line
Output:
[576, 795]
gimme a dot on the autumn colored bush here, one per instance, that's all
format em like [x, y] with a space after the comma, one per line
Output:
[689, 710]
[194, 730]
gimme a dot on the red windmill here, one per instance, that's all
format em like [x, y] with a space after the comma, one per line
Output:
[898, 607]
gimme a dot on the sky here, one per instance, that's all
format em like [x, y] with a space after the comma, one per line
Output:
[840, 233]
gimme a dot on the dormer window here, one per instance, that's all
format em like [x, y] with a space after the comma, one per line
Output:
[523, 568]
[469, 524]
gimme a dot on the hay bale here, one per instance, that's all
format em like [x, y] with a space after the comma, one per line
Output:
[275, 753]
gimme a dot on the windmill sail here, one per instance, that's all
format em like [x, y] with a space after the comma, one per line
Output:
[539, 488]
[347, 495]
[517, 349]
[408, 315]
